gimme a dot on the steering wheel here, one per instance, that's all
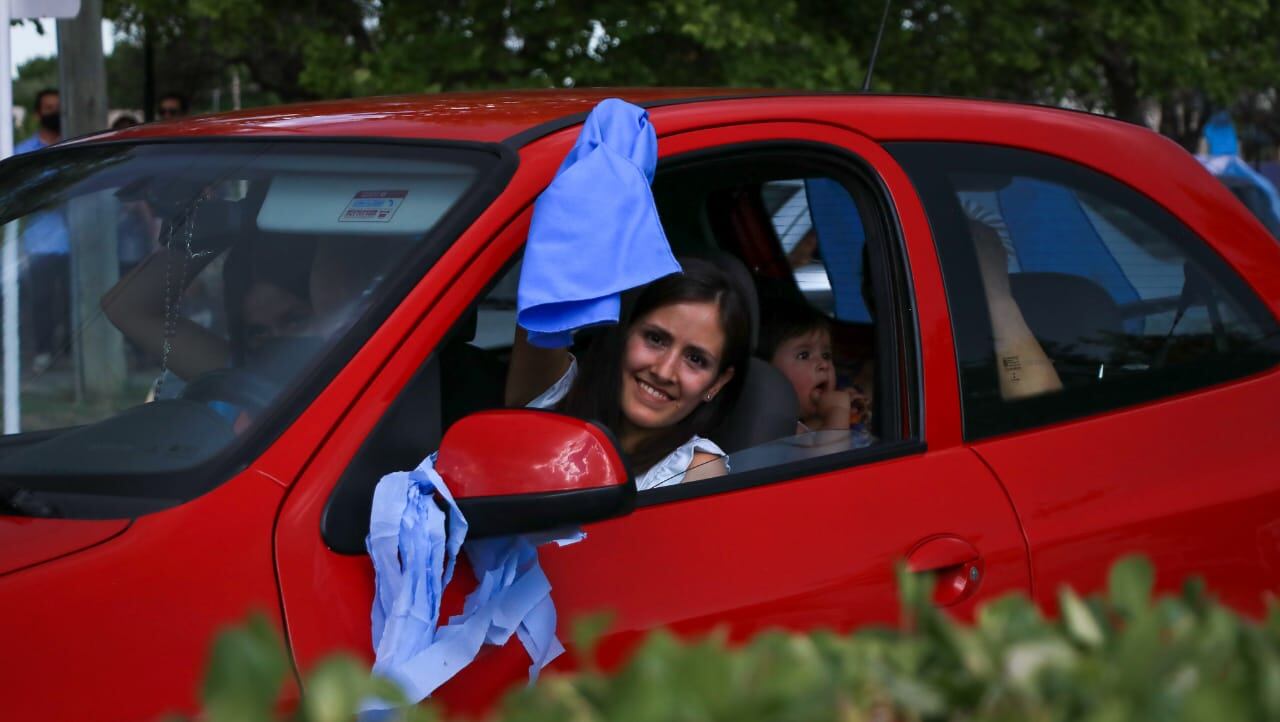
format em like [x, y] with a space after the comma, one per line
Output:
[238, 387]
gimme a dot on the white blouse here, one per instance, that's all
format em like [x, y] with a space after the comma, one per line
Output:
[667, 472]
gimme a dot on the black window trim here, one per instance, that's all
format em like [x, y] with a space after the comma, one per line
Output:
[781, 473]
[317, 375]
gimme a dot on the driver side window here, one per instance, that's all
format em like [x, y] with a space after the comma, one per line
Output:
[806, 237]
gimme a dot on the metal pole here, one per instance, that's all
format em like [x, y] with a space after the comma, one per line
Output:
[9, 256]
[97, 347]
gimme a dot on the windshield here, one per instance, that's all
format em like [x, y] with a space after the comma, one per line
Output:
[159, 299]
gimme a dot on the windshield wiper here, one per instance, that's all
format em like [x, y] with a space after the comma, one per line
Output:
[20, 500]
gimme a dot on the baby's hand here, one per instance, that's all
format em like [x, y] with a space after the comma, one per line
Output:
[835, 400]
[840, 408]
[834, 406]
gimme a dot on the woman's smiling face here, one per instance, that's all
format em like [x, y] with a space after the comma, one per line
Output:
[671, 364]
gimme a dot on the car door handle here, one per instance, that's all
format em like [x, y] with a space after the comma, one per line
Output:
[955, 563]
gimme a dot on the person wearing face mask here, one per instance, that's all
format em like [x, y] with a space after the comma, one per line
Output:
[46, 244]
[48, 109]
[172, 105]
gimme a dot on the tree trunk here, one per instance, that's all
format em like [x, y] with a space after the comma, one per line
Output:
[1122, 86]
[1183, 119]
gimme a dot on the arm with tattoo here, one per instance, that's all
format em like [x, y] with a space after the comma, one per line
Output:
[1021, 363]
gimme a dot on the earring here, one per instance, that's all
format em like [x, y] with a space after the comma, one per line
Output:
[708, 397]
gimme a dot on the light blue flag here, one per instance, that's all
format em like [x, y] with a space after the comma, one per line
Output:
[414, 544]
[595, 231]
[1220, 135]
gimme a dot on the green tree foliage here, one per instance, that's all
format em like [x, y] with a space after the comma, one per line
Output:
[466, 44]
[196, 42]
[1185, 57]
[1102, 54]
[1121, 656]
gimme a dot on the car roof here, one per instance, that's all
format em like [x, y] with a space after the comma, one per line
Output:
[513, 117]
[491, 116]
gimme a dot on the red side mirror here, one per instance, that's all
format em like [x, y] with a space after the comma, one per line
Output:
[522, 470]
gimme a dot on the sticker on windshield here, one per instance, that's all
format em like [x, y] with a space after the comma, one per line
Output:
[372, 206]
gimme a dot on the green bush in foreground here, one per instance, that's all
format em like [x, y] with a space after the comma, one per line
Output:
[1119, 656]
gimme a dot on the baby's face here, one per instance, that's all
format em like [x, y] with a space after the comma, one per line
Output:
[806, 362]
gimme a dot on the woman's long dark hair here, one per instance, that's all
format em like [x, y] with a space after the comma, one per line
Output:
[597, 391]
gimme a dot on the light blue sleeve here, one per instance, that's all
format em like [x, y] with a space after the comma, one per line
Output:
[670, 470]
[30, 144]
[595, 230]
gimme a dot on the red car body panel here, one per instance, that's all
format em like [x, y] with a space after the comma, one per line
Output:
[27, 541]
[1139, 480]
[121, 629]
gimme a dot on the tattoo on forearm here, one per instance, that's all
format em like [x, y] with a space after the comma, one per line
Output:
[1012, 365]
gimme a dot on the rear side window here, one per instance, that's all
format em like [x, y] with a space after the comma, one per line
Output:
[1121, 302]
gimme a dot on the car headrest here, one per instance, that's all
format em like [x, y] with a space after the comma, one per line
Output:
[1071, 316]
[766, 410]
[741, 278]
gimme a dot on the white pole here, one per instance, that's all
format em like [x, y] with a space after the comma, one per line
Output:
[9, 257]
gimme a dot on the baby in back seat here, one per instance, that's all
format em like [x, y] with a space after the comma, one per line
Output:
[796, 340]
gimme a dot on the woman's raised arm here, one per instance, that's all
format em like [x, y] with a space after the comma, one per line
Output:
[532, 370]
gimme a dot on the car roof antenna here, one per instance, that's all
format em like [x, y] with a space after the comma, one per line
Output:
[875, 49]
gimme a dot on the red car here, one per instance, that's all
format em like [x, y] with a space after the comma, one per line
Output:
[308, 297]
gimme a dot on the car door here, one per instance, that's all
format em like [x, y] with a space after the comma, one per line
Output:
[810, 542]
[1161, 441]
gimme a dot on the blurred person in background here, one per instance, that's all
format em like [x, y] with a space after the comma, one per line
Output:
[48, 109]
[172, 105]
[45, 241]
